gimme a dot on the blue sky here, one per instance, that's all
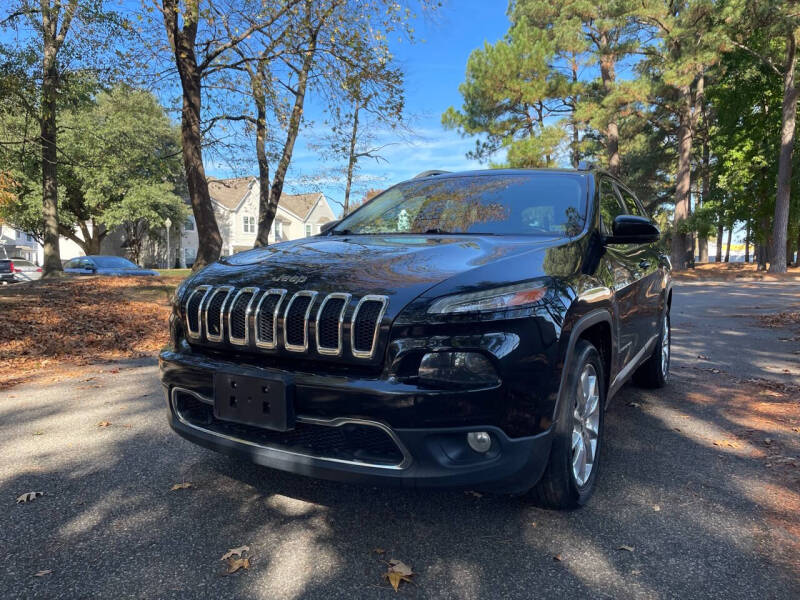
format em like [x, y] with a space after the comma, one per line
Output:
[434, 69]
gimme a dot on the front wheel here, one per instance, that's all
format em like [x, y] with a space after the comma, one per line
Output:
[569, 479]
[654, 372]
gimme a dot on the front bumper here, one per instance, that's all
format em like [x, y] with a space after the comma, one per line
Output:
[429, 456]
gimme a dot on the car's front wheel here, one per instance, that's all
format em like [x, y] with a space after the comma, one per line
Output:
[569, 479]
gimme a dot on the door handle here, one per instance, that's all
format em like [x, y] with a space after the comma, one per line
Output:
[644, 264]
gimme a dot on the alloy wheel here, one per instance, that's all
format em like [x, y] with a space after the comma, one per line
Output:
[585, 425]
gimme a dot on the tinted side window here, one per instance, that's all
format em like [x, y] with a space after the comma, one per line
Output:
[631, 203]
[610, 207]
[71, 264]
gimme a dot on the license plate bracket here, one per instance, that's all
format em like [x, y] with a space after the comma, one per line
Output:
[266, 402]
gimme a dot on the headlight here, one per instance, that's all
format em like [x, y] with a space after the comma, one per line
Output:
[501, 298]
[459, 369]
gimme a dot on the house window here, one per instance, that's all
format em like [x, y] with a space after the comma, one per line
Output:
[308, 230]
[277, 229]
[28, 237]
[188, 225]
[249, 224]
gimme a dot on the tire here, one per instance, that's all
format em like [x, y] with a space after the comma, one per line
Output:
[654, 372]
[564, 485]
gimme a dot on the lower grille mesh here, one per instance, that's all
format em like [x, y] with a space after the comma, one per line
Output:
[351, 441]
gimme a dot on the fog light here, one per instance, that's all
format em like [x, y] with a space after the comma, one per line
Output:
[480, 441]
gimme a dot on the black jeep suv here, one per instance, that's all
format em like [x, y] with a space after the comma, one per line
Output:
[460, 329]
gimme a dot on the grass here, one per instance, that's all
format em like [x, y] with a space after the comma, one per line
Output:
[182, 273]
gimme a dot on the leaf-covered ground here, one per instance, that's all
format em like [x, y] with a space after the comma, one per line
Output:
[734, 271]
[56, 324]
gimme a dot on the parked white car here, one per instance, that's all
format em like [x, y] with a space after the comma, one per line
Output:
[16, 270]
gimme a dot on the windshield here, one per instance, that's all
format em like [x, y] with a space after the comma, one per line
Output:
[503, 204]
[113, 262]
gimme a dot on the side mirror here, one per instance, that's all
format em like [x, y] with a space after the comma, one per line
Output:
[630, 229]
[328, 226]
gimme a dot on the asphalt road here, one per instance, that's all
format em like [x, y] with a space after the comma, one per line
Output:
[687, 510]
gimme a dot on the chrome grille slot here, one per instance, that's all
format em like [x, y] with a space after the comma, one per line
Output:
[193, 307]
[267, 318]
[213, 313]
[239, 315]
[330, 318]
[366, 324]
[295, 321]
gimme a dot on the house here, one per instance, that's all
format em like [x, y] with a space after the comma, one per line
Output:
[15, 243]
[235, 204]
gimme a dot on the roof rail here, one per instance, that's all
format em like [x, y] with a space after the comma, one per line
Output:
[430, 173]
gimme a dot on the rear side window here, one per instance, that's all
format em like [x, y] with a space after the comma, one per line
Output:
[610, 206]
[631, 203]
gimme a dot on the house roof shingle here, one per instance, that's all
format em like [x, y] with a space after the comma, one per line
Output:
[230, 192]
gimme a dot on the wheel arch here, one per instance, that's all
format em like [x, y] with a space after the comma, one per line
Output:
[597, 328]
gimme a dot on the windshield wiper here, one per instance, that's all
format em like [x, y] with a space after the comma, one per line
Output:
[341, 232]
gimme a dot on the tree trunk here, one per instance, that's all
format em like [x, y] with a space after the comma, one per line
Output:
[575, 145]
[183, 40]
[719, 242]
[351, 162]
[797, 259]
[608, 76]
[728, 245]
[52, 256]
[702, 241]
[681, 243]
[265, 219]
[262, 237]
[747, 243]
[780, 221]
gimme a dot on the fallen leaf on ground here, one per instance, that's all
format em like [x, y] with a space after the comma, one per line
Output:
[379, 551]
[626, 548]
[473, 493]
[656, 507]
[235, 552]
[398, 571]
[29, 497]
[634, 404]
[38, 433]
[43, 573]
[533, 524]
[104, 424]
[180, 486]
[113, 371]
[234, 564]
[558, 557]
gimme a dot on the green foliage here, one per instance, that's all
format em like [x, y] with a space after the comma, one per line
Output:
[120, 162]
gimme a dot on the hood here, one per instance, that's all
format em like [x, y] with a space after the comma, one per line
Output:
[399, 266]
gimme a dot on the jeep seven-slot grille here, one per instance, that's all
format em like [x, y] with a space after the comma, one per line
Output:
[274, 319]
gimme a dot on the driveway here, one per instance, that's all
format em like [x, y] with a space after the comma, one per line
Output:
[694, 500]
